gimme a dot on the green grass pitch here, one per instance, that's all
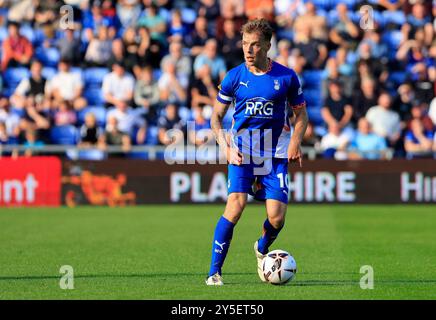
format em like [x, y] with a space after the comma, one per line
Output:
[163, 252]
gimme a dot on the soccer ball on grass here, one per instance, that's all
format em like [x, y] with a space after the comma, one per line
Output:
[279, 267]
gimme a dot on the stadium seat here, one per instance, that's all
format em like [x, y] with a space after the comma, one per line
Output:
[66, 135]
[392, 39]
[3, 33]
[395, 17]
[94, 96]
[312, 79]
[49, 72]
[48, 56]
[314, 114]
[397, 77]
[188, 15]
[13, 76]
[94, 76]
[152, 135]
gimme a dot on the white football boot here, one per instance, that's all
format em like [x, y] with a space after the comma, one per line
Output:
[215, 280]
[259, 258]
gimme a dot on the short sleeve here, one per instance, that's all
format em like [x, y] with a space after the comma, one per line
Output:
[225, 93]
[295, 93]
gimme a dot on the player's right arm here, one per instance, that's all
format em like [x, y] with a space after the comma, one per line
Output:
[232, 154]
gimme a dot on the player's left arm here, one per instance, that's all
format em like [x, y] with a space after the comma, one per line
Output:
[299, 117]
[300, 125]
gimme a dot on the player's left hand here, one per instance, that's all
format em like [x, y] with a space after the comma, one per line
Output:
[295, 154]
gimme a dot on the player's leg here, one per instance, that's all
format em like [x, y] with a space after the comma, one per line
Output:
[224, 231]
[274, 190]
[273, 224]
[240, 179]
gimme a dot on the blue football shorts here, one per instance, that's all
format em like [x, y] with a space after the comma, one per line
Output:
[267, 180]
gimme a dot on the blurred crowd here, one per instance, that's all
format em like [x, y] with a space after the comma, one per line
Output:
[99, 73]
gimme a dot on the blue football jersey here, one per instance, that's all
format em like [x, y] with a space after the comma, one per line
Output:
[261, 126]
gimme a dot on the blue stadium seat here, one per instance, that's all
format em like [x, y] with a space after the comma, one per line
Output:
[48, 56]
[98, 111]
[48, 72]
[142, 155]
[188, 15]
[395, 17]
[67, 135]
[3, 33]
[322, 4]
[397, 77]
[94, 76]
[94, 96]
[152, 135]
[393, 39]
[314, 115]
[313, 79]
[13, 76]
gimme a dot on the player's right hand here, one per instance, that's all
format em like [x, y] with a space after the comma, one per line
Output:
[234, 156]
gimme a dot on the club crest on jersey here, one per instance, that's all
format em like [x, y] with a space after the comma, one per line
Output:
[276, 84]
[259, 107]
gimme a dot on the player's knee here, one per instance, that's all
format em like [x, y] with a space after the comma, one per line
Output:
[277, 221]
[235, 206]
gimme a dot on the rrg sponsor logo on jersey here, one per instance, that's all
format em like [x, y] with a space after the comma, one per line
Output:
[260, 107]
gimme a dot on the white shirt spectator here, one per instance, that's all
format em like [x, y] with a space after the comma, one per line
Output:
[332, 141]
[384, 122]
[128, 119]
[432, 110]
[67, 83]
[119, 87]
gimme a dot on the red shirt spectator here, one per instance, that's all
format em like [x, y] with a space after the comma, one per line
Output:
[17, 50]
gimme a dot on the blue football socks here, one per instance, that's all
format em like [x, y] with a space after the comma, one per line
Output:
[221, 242]
[268, 236]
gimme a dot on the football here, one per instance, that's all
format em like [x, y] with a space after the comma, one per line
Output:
[279, 267]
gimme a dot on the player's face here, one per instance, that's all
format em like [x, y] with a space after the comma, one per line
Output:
[255, 48]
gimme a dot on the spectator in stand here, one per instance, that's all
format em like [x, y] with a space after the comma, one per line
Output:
[314, 52]
[32, 142]
[284, 56]
[4, 137]
[95, 17]
[128, 12]
[117, 55]
[131, 47]
[259, 9]
[210, 57]
[344, 30]
[376, 67]
[231, 45]
[114, 137]
[419, 18]
[403, 103]
[147, 94]
[337, 109]
[170, 121]
[150, 50]
[16, 49]
[346, 71]
[230, 10]
[210, 9]
[177, 30]
[128, 121]
[70, 48]
[418, 142]
[334, 143]
[10, 119]
[366, 144]
[176, 56]
[118, 86]
[89, 131]
[316, 23]
[384, 121]
[391, 5]
[30, 87]
[364, 99]
[64, 115]
[196, 40]
[432, 111]
[36, 117]
[200, 132]
[203, 88]
[67, 85]
[172, 86]
[420, 111]
[99, 50]
[151, 19]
